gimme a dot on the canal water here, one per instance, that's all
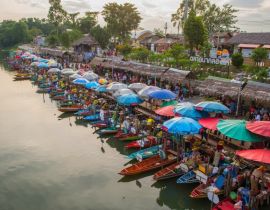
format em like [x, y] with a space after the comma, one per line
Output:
[52, 161]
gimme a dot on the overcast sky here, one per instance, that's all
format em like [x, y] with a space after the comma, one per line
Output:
[253, 15]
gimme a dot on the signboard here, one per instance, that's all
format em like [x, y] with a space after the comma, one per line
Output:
[217, 61]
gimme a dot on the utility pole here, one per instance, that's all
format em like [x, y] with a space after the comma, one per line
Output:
[165, 28]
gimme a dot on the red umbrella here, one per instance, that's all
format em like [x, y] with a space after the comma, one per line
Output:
[209, 123]
[166, 111]
[258, 155]
[259, 127]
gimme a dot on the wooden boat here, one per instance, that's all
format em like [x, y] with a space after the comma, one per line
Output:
[59, 97]
[93, 117]
[202, 190]
[148, 164]
[189, 176]
[99, 125]
[226, 204]
[71, 108]
[22, 76]
[129, 137]
[43, 90]
[144, 143]
[108, 131]
[145, 153]
[171, 171]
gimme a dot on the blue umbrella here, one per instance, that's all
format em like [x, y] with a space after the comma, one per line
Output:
[187, 109]
[182, 126]
[211, 106]
[92, 85]
[162, 94]
[80, 81]
[43, 60]
[101, 89]
[129, 100]
[42, 65]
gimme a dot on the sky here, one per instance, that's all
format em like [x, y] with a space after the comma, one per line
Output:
[253, 15]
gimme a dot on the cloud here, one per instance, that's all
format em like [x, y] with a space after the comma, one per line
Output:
[246, 3]
[76, 5]
[148, 4]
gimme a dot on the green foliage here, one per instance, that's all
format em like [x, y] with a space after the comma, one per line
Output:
[176, 52]
[13, 33]
[124, 49]
[57, 15]
[41, 24]
[158, 32]
[237, 60]
[34, 32]
[102, 35]
[140, 54]
[121, 19]
[68, 37]
[194, 31]
[52, 40]
[215, 18]
[87, 22]
[259, 54]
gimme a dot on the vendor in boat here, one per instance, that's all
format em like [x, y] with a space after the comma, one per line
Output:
[158, 133]
[126, 125]
[133, 129]
[220, 145]
[256, 178]
[149, 123]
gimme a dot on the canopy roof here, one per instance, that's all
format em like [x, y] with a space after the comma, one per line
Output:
[86, 40]
[250, 38]
[170, 74]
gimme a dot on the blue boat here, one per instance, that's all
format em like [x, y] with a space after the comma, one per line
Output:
[94, 117]
[187, 178]
[145, 153]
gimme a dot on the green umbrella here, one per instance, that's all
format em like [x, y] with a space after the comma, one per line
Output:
[169, 103]
[236, 129]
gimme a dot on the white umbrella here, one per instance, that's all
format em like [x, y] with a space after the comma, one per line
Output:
[137, 86]
[67, 69]
[122, 92]
[67, 73]
[116, 86]
[148, 89]
[75, 76]
[54, 70]
[90, 76]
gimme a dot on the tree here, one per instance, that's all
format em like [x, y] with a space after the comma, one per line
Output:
[237, 60]
[68, 37]
[52, 40]
[56, 15]
[101, 35]
[194, 31]
[73, 19]
[140, 54]
[124, 49]
[215, 18]
[177, 52]
[121, 19]
[158, 32]
[87, 22]
[259, 55]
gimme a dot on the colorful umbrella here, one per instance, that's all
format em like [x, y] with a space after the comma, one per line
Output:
[75, 76]
[187, 109]
[116, 86]
[122, 92]
[258, 155]
[236, 129]
[182, 126]
[162, 94]
[137, 86]
[90, 76]
[259, 127]
[42, 60]
[169, 103]
[34, 63]
[80, 81]
[102, 81]
[210, 123]
[211, 106]
[147, 90]
[54, 70]
[166, 111]
[101, 89]
[67, 70]
[92, 85]
[129, 100]
[42, 65]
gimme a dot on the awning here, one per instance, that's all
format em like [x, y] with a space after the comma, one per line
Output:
[248, 45]
[266, 46]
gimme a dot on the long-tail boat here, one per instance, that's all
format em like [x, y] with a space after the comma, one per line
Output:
[108, 131]
[22, 76]
[226, 204]
[171, 171]
[149, 164]
[145, 153]
[143, 143]
[70, 108]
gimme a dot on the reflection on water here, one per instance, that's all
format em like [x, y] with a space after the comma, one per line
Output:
[53, 161]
